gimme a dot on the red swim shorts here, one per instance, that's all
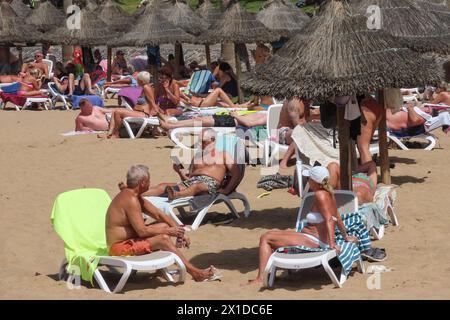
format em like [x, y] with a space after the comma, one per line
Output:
[130, 247]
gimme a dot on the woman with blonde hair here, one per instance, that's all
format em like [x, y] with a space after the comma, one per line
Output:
[320, 229]
[144, 108]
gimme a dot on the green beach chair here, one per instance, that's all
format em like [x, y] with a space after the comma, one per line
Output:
[78, 217]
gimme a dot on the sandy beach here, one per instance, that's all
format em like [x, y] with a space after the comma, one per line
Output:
[37, 163]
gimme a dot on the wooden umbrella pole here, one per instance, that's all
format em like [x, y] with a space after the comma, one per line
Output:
[208, 56]
[383, 141]
[238, 74]
[109, 58]
[20, 57]
[345, 157]
[176, 50]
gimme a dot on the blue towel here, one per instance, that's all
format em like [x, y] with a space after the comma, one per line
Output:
[408, 132]
[12, 88]
[95, 100]
[201, 82]
[350, 252]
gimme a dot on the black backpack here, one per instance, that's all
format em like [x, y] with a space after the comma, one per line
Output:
[328, 114]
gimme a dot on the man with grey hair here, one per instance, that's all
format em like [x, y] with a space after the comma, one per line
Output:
[127, 234]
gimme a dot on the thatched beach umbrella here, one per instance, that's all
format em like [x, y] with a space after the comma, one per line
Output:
[238, 26]
[283, 19]
[46, 16]
[210, 15]
[336, 54]
[209, 12]
[115, 18]
[417, 29]
[185, 18]
[437, 7]
[14, 30]
[90, 30]
[152, 28]
[20, 8]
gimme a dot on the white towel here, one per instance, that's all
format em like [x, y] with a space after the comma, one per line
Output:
[316, 143]
[79, 133]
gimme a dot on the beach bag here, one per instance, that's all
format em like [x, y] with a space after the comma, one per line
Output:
[328, 115]
[12, 88]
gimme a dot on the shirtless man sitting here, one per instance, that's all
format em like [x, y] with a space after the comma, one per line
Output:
[206, 174]
[91, 118]
[127, 234]
[38, 64]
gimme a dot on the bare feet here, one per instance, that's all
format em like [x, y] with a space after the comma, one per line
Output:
[257, 281]
[202, 275]
[170, 193]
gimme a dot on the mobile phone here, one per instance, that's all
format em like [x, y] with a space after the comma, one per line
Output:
[176, 161]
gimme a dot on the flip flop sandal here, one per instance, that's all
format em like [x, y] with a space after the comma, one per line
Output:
[374, 255]
[216, 275]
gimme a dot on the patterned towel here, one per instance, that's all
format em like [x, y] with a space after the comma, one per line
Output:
[275, 181]
[350, 252]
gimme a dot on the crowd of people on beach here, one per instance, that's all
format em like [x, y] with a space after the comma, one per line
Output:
[126, 230]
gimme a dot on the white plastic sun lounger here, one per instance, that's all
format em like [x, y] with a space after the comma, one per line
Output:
[143, 122]
[92, 205]
[347, 202]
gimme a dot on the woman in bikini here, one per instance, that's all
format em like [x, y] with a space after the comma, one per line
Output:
[224, 96]
[30, 84]
[364, 180]
[168, 94]
[144, 108]
[320, 231]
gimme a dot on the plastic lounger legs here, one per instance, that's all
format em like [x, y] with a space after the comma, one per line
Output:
[159, 260]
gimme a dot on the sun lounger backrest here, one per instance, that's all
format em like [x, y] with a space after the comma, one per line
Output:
[346, 202]
[273, 117]
[78, 217]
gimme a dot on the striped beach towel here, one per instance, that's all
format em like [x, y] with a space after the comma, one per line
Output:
[350, 252]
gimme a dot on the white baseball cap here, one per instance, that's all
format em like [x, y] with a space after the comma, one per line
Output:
[317, 174]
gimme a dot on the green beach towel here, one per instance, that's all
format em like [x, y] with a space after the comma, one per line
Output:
[78, 217]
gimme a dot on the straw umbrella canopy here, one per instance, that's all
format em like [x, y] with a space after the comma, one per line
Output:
[152, 28]
[14, 30]
[46, 16]
[209, 13]
[436, 7]
[283, 19]
[91, 5]
[417, 29]
[91, 31]
[185, 18]
[337, 54]
[114, 16]
[239, 26]
[20, 8]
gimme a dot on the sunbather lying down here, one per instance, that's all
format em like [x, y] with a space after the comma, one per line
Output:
[233, 119]
[216, 98]
[127, 234]
[364, 180]
[401, 122]
[206, 174]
